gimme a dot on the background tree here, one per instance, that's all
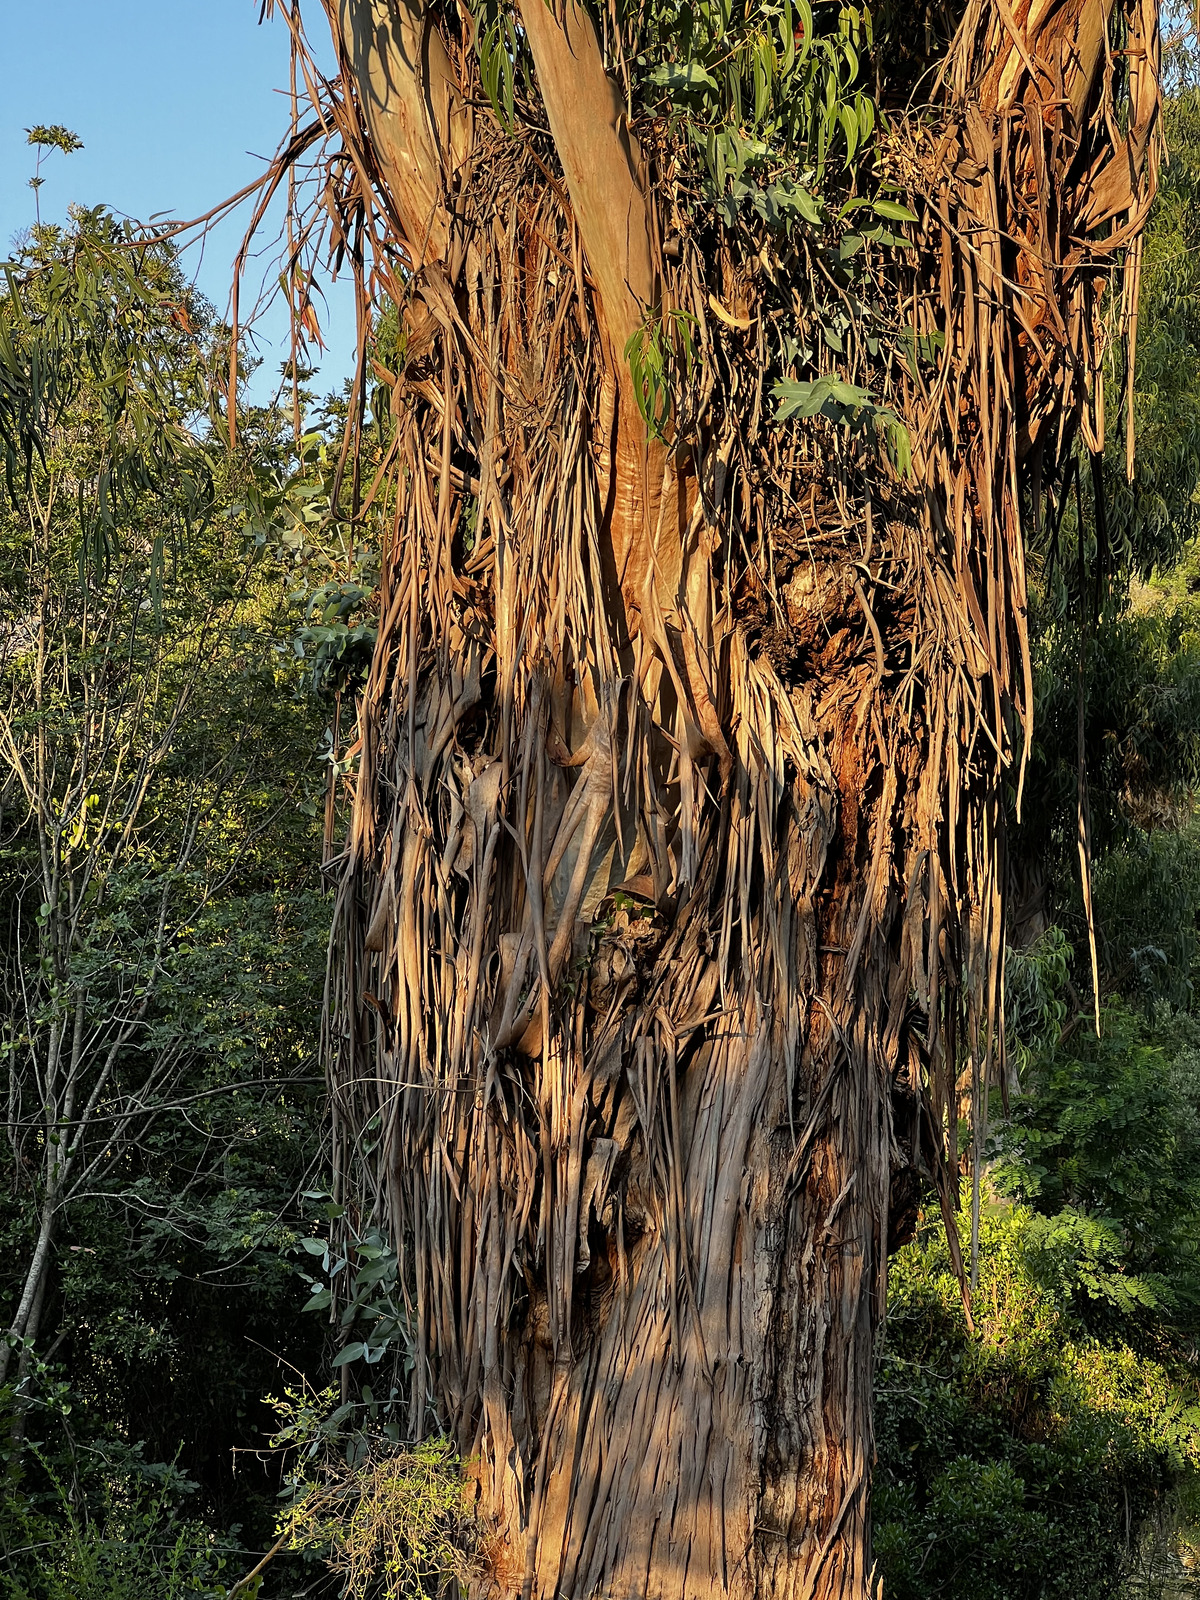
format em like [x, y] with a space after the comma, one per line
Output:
[162, 922]
[728, 386]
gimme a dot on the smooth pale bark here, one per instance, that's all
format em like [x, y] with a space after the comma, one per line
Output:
[33, 1287]
[402, 72]
[602, 166]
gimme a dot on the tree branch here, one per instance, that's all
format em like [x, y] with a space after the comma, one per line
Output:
[401, 72]
[599, 157]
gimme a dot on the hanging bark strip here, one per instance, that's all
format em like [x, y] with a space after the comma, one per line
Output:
[671, 903]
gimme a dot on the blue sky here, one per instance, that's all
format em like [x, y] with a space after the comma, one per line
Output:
[176, 104]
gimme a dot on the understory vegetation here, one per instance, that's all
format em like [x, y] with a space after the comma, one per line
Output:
[198, 1382]
[1053, 1448]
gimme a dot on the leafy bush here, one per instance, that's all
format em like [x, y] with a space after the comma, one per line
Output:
[1104, 1145]
[1019, 1460]
[389, 1519]
[1036, 1454]
[133, 1544]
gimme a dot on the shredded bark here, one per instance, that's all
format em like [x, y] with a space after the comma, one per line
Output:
[672, 900]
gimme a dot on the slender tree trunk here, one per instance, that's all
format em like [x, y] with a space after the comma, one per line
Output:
[672, 898]
[33, 1287]
[22, 1400]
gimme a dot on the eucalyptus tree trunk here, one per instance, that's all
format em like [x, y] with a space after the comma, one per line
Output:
[672, 907]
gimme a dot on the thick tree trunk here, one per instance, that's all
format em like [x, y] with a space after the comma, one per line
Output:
[678, 811]
[651, 1258]
[709, 1432]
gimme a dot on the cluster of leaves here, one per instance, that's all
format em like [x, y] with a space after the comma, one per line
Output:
[1036, 1011]
[747, 82]
[773, 103]
[372, 1301]
[655, 351]
[784, 139]
[850, 406]
[1021, 1457]
[45, 138]
[758, 80]
[388, 1519]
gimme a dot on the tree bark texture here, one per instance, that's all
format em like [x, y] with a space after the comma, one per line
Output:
[672, 897]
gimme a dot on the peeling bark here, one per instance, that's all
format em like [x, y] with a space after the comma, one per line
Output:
[673, 901]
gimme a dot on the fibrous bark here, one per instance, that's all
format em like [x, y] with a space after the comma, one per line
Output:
[672, 897]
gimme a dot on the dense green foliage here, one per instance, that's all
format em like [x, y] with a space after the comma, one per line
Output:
[162, 930]
[1021, 1458]
[1031, 1450]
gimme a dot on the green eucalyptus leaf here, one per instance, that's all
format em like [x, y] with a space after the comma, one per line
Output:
[893, 210]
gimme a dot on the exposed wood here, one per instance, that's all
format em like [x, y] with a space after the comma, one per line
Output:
[400, 66]
[600, 158]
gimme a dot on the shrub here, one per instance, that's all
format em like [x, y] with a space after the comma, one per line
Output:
[1020, 1460]
[132, 1544]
